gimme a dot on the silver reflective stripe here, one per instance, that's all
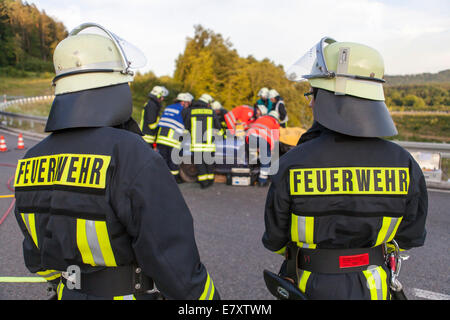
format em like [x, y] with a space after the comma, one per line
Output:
[376, 287]
[128, 297]
[390, 229]
[91, 235]
[301, 227]
[27, 222]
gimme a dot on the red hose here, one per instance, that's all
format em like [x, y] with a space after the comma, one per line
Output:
[8, 184]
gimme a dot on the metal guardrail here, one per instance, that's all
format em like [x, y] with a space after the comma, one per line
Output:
[442, 148]
[22, 100]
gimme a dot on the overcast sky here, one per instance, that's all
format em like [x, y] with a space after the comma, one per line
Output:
[412, 35]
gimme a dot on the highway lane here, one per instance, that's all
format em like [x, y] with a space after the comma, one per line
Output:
[229, 222]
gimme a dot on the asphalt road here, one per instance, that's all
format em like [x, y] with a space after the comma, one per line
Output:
[229, 223]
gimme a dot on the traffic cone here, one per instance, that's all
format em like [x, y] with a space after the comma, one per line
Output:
[20, 143]
[3, 146]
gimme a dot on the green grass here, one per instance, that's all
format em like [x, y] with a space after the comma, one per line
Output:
[28, 87]
[425, 128]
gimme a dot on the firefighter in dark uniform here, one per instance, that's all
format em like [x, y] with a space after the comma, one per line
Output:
[150, 114]
[343, 195]
[101, 214]
[200, 122]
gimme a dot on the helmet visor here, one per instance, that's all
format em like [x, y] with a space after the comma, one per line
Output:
[312, 64]
[132, 57]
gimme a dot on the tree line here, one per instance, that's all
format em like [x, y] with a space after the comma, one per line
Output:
[28, 37]
[209, 64]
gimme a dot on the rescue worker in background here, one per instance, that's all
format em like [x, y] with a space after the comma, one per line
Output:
[150, 114]
[102, 204]
[200, 122]
[219, 115]
[170, 131]
[343, 193]
[278, 105]
[263, 95]
[243, 115]
[264, 135]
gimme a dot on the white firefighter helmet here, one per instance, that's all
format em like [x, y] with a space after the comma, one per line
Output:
[185, 96]
[93, 57]
[216, 105]
[351, 76]
[159, 91]
[262, 108]
[206, 98]
[263, 93]
[273, 93]
[274, 114]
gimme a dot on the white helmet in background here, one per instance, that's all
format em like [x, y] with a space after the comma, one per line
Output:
[93, 57]
[263, 93]
[274, 114]
[262, 108]
[216, 105]
[206, 98]
[159, 91]
[273, 93]
[185, 96]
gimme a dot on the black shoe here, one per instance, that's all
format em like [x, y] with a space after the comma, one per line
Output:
[178, 179]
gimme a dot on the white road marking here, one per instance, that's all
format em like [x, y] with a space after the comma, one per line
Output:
[430, 295]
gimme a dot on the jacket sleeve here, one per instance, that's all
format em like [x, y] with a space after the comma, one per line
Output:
[161, 227]
[282, 111]
[277, 217]
[151, 115]
[411, 231]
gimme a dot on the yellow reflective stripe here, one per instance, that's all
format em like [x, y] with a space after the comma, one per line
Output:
[281, 251]
[203, 148]
[376, 279]
[148, 138]
[168, 142]
[49, 275]
[127, 297]
[202, 111]
[303, 280]
[302, 231]
[209, 130]
[211, 176]
[208, 291]
[350, 180]
[93, 243]
[30, 223]
[193, 130]
[105, 244]
[59, 290]
[202, 177]
[388, 229]
[294, 228]
[175, 172]
[82, 243]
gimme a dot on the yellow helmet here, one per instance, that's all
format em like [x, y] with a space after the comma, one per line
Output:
[346, 68]
[93, 68]
[93, 57]
[351, 76]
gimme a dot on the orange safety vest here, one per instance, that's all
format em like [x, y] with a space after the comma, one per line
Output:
[242, 114]
[266, 127]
